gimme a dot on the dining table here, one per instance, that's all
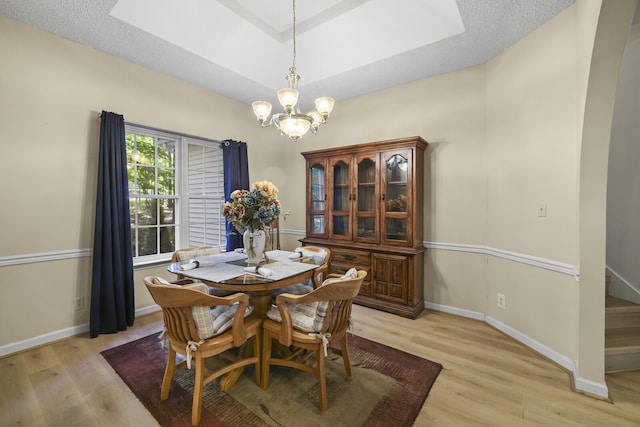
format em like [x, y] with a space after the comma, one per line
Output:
[231, 271]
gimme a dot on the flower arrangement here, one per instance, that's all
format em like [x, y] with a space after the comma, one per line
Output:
[255, 208]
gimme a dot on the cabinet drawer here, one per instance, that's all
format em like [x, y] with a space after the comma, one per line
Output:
[340, 268]
[350, 256]
[365, 289]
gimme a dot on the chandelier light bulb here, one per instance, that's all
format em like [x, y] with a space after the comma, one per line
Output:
[288, 98]
[261, 109]
[317, 119]
[324, 105]
[295, 126]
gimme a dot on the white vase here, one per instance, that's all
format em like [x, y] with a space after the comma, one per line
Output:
[254, 244]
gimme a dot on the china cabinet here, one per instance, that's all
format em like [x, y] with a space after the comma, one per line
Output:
[365, 203]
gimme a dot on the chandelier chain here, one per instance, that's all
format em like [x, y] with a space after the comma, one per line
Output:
[294, 35]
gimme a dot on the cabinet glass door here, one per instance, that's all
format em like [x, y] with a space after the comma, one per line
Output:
[317, 200]
[396, 198]
[341, 209]
[366, 201]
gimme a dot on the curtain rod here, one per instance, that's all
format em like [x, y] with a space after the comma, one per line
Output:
[172, 132]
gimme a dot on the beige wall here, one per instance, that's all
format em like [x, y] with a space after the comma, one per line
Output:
[531, 154]
[503, 138]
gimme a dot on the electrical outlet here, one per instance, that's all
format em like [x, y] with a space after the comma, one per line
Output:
[78, 303]
[502, 301]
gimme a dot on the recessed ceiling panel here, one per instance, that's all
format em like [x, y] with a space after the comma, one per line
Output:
[242, 49]
[252, 37]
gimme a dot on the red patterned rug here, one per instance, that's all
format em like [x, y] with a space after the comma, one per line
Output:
[389, 388]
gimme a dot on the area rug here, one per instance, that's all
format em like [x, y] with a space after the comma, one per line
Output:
[389, 388]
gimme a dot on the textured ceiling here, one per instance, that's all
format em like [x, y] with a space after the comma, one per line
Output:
[243, 48]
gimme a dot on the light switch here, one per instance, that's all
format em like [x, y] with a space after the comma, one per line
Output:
[542, 210]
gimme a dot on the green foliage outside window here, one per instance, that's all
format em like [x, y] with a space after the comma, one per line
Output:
[151, 163]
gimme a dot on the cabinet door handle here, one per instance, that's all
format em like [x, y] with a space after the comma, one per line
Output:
[383, 196]
[349, 257]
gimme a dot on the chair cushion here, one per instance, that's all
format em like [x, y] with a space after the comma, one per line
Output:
[160, 281]
[321, 309]
[220, 319]
[302, 315]
[309, 317]
[297, 289]
[210, 321]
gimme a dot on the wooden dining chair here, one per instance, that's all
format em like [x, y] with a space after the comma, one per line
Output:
[199, 326]
[322, 257]
[309, 324]
[273, 235]
[186, 254]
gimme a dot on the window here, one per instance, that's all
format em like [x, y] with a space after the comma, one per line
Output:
[176, 187]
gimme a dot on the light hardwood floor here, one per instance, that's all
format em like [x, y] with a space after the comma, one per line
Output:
[488, 379]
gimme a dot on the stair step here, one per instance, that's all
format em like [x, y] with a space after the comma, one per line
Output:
[613, 302]
[622, 359]
[622, 337]
[621, 319]
[620, 314]
[622, 349]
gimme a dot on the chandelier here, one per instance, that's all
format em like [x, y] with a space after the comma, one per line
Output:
[292, 122]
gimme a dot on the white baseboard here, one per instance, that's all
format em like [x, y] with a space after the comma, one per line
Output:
[454, 310]
[61, 334]
[147, 310]
[581, 384]
[30, 343]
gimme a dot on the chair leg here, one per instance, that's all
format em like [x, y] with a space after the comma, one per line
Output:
[168, 374]
[322, 380]
[257, 340]
[345, 358]
[196, 409]
[266, 355]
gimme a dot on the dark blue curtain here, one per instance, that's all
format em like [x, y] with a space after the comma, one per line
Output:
[236, 177]
[112, 304]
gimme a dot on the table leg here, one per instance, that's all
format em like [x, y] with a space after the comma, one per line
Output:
[261, 302]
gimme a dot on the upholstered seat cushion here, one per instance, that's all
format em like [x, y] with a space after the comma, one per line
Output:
[302, 316]
[297, 289]
[309, 317]
[210, 321]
